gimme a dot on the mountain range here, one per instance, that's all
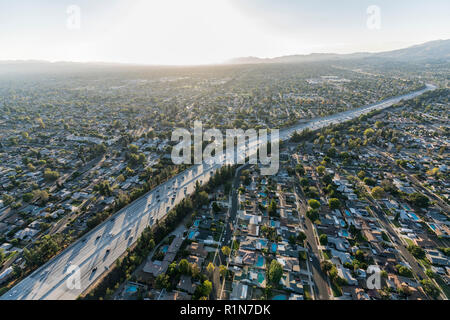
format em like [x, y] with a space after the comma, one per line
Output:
[433, 50]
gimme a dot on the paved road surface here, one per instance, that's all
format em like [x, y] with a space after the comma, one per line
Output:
[321, 288]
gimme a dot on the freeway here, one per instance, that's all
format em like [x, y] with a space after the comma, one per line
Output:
[93, 254]
[96, 251]
[318, 123]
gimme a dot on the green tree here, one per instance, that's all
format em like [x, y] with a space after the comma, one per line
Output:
[326, 266]
[25, 135]
[203, 198]
[162, 281]
[360, 256]
[378, 192]
[323, 239]
[42, 195]
[332, 153]
[50, 175]
[226, 250]
[369, 132]
[203, 290]
[195, 271]
[304, 182]
[301, 237]
[184, 267]
[133, 148]
[2, 256]
[416, 251]
[369, 181]
[314, 204]
[7, 199]
[275, 272]
[404, 271]
[40, 123]
[210, 268]
[429, 288]
[419, 200]
[27, 197]
[272, 208]
[320, 170]
[334, 203]
[312, 215]
[361, 174]
[300, 169]
[223, 271]
[215, 207]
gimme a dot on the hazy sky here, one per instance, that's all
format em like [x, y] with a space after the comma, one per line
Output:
[210, 31]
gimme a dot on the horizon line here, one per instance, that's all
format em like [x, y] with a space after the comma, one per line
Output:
[226, 62]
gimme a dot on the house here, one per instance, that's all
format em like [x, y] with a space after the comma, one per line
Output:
[196, 260]
[345, 274]
[436, 257]
[4, 276]
[360, 294]
[245, 257]
[289, 263]
[291, 284]
[185, 284]
[26, 233]
[158, 267]
[239, 292]
[342, 256]
[340, 244]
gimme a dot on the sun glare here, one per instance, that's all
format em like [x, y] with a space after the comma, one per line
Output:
[186, 32]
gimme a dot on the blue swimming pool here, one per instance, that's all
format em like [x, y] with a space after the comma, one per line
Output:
[432, 226]
[261, 277]
[344, 233]
[131, 289]
[164, 249]
[260, 262]
[279, 297]
[191, 235]
[342, 223]
[262, 195]
[263, 242]
[196, 223]
[416, 218]
[273, 247]
[347, 213]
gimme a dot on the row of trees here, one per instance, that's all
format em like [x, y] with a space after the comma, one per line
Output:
[44, 249]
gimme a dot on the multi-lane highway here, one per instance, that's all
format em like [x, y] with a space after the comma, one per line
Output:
[92, 255]
[96, 251]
